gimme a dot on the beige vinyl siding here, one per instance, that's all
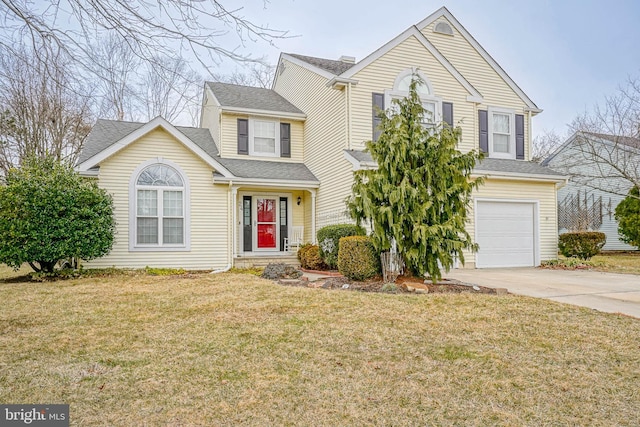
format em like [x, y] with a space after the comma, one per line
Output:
[209, 210]
[466, 59]
[211, 118]
[229, 138]
[514, 190]
[381, 75]
[324, 132]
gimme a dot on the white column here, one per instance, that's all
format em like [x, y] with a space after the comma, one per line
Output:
[313, 216]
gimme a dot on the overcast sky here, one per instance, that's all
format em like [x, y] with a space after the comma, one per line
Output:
[566, 55]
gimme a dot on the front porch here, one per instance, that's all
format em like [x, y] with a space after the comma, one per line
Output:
[263, 261]
[270, 224]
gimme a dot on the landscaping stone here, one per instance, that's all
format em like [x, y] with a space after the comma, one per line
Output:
[276, 271]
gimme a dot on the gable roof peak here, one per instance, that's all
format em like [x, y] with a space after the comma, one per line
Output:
[444, 12]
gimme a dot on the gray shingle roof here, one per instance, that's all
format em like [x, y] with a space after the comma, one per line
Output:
[261, 169]
[622, 140]
[107, 132]
[625, 140]
[487, 165]
[256, 98]
[515, 166]
[330, 65]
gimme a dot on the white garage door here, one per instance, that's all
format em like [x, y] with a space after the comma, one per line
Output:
[505, 232]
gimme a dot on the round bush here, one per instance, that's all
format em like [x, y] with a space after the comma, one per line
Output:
[310, 258]
[581, 244]
[329, 240]
[358, 258]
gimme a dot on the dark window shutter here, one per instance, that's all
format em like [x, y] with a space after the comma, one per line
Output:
[284, 225]
[247, 232]
[285, 140]
[519, 137]
[377, 108]
[447, 113]
[243, 136]
[483, 126]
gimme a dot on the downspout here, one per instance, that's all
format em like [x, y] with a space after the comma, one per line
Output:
[529, 135]
[349, 115]
[229, 232]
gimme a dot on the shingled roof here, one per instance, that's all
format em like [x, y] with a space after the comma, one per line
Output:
[249, 97]
[330, 65]
[105, 133]
[486, 165]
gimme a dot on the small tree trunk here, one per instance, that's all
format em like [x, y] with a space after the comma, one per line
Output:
[47, 266]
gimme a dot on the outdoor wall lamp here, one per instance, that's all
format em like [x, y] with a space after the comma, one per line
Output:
[299, 200]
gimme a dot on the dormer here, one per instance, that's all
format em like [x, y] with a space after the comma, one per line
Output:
[253, 122]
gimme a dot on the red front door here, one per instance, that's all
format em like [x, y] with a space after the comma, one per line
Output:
[266, 224]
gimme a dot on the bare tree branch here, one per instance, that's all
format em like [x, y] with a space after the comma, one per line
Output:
[605, 154]
[255, 74]
[162, 27]
[42, 113]
[545, 144]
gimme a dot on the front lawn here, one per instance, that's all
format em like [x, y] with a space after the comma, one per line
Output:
[617, 262]
[235, 349]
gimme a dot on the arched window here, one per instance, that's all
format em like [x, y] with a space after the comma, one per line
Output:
[159, 207]
[431, 103]
[443, 28]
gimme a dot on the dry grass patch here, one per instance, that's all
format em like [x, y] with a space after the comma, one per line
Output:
[235, 349]
[617, 262]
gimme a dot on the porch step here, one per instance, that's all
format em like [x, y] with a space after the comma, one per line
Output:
[262, 261]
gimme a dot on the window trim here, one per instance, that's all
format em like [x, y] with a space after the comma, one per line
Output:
[389, 95]
[409, 71]
[512, 129]
[252, 151]
[133, 209]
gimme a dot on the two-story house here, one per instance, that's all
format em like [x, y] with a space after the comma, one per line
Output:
[268, 161]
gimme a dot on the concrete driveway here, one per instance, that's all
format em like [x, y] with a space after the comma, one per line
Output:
[608, 292]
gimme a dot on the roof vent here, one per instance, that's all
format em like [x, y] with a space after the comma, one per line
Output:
[348, 59]
[443, 28]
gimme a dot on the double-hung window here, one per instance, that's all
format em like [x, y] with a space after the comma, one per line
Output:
[264, 137]
[160, 207]
[502, 141]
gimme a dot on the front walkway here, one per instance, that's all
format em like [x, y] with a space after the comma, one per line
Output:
[608, 292]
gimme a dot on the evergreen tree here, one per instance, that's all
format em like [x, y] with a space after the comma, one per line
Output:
[628, 217]
[48, 212]
[420, 192]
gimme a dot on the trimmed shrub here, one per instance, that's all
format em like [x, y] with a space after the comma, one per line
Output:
[358, 258]
[310, 258]
[581, 244]
[628, 217]
[329, 240]
[301, 250]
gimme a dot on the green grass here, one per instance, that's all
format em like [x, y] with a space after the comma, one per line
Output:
[232, 349]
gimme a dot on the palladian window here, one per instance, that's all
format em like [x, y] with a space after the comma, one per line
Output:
[160, 207]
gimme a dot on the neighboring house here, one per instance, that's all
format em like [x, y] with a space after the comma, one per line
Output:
[595, 188]
[268, 160]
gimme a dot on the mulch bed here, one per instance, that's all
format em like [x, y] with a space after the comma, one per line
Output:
[404, 284]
